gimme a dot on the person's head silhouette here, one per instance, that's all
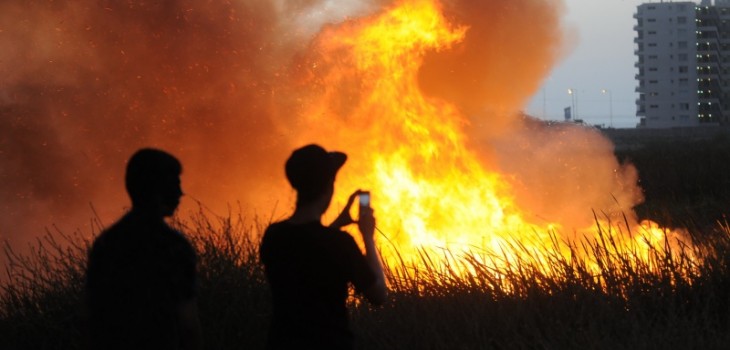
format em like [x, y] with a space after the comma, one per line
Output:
[311, 171]
[153, 182]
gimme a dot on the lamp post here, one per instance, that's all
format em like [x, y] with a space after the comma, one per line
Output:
[574, 102]
[610, 106]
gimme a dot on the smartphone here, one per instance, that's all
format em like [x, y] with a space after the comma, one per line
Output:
[365, 199]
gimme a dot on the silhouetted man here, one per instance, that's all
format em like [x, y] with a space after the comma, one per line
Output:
[141, 274]
[309, 266]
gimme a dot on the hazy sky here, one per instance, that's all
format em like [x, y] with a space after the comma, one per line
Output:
[600, 56]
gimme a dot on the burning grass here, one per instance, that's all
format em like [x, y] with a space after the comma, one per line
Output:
[603, 297]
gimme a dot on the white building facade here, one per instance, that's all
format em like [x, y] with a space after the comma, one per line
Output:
[683, 49]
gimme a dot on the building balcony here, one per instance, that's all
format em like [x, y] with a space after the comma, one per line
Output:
[714, 100]
[713, 70]
[640, 112]
[708, 33]
[705, 50]
[709, 42]
[708, 26]
[712, 63]
[708, 75]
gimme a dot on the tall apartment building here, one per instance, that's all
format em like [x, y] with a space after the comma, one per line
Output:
[683, 61]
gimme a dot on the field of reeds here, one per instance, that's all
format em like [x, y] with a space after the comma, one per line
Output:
[668, 302]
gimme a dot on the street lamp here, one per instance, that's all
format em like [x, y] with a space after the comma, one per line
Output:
[574, 102]
[610, 106]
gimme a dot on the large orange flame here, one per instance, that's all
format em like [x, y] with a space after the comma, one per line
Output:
[432, 192]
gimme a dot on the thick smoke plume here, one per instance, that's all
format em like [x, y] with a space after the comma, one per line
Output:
[87, 83]
[559, 173]
[222, 85]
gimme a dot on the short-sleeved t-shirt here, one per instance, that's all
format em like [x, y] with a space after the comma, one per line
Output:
[309, 267]
[139, 272]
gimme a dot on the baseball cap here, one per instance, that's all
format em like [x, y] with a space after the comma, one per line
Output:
[311, 168]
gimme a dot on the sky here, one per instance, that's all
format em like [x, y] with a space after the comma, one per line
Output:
[599, 56]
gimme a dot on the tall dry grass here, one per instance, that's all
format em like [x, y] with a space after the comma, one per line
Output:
[671, 301]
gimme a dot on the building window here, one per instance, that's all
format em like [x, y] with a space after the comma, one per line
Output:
[684, 82]
[653, 69]
[652, 57]
[652, 44]
[682, 57]
[651, 32]
[683, 69]
[681, 20]
[684, 106]
[651, 20]
[653, 81]
[653, 106]
[682, 44]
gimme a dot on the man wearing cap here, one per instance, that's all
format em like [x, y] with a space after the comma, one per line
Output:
[309, 265]
[141, 274]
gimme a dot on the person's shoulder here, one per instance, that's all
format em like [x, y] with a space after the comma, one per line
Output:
[320, 231]
[174, 237]
[277, 228]
[178, 236]
[274, 231]
[114, 241]
[342, 237]
[114, 232]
